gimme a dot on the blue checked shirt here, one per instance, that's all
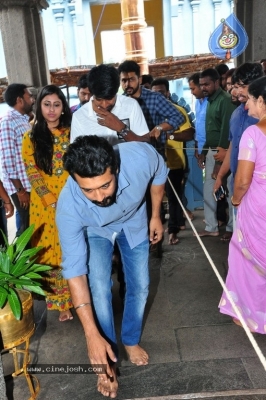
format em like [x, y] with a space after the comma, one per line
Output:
[13, 125]
[157, 109]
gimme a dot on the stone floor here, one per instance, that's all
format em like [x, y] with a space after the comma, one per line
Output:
[195, 352]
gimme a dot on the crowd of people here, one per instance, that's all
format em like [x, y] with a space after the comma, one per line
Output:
[92, 178]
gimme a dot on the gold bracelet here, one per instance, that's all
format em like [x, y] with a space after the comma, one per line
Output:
[82, 305]
[234, 204]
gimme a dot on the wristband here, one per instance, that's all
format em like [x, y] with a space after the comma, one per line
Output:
[7, 202]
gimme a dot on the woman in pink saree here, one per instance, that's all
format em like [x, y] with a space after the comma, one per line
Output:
[246, 280]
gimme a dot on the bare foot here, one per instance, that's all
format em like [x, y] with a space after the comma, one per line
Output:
[109, 388]
[65, 316]
[137, 355]
[173, 239]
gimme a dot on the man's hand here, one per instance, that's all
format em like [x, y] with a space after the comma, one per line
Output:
[24, 200]
[155, 133]
[196, 154]
[218, 182]
[220, 155]
[156, 230]
[111, 121]
[98, 351]
[216, 170]
[201, 161]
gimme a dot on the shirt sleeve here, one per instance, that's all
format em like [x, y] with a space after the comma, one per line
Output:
[227, 109]
[75, 128]
[168, 112]
[36, 180]
[7, 146]
[71, 235]
[247, 146]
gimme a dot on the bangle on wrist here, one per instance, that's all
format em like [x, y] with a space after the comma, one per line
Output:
[6, 202]
[234, 204]
[83, 305]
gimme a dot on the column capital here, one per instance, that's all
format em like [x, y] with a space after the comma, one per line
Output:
[39, 4]
[195, 4]
[217, 1]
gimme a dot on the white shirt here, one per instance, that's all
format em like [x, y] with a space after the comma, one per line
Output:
[84, 120]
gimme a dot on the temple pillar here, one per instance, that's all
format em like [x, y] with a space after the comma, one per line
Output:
[58, 8]
[196, 25]
[133, 26]
[23, 41]
[217, 15]
[167, 28]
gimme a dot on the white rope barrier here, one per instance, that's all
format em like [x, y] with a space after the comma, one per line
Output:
[244, 325]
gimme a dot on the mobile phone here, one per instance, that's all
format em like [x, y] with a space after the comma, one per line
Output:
[219, 193]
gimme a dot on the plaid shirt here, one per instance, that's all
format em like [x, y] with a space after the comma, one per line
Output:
[157, 109]
[13, 125]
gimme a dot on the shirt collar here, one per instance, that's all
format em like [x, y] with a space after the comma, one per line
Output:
[215, 95]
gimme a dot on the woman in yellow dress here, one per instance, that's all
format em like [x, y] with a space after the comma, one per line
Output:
[42, 151]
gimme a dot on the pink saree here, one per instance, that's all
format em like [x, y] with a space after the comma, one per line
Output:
[246, 280]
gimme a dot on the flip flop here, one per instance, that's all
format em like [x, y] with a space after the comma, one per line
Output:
[173, 240]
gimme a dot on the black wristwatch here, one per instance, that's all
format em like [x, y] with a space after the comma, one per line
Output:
[19, 189]
[123, 132]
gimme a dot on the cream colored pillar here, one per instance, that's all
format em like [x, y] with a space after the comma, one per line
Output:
[133, 26]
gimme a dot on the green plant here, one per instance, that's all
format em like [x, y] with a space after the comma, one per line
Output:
[19, 271]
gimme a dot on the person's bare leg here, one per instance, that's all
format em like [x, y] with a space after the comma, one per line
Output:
[137, 355]
[109, 388]
[65, 315]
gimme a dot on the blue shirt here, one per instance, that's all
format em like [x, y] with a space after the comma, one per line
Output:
[239, 122]
[157, 109]
[200, 125]
[140, 164]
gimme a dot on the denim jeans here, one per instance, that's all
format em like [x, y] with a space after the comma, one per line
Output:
[135, 267]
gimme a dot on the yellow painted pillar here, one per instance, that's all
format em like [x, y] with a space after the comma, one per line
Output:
[133, 26]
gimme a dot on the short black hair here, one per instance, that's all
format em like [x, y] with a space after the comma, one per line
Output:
[212, 73]
[129, 66]
[103, 81]
[89, 156]
[248, 72]
[146, 78]
[257, 88]
[83, 83]
[13, 91]
[221, 69]
[161, 81]
[194, 78]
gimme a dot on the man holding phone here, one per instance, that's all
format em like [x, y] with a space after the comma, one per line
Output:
[240, 120]
[218, 114]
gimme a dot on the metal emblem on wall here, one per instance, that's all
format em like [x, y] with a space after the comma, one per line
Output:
[229, 39]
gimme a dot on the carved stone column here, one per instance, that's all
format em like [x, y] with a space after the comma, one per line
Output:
[83, 38]
[167, 28]
[133, 26]
[217, 16]
[23, 41]
[196, 25]
[58, 7]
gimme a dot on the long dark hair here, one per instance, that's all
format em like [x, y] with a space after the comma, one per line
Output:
[41, 137]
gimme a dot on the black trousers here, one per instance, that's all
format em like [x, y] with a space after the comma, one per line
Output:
[176, 218]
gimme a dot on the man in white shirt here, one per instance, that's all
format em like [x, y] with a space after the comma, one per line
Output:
[115, 117]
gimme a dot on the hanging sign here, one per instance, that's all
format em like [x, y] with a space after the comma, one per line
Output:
[229, 39]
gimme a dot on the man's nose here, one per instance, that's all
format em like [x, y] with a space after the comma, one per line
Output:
[98, 196]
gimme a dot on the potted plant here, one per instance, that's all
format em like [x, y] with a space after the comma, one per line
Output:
[19, 276]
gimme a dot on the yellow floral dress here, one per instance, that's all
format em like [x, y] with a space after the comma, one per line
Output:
[45, 191]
